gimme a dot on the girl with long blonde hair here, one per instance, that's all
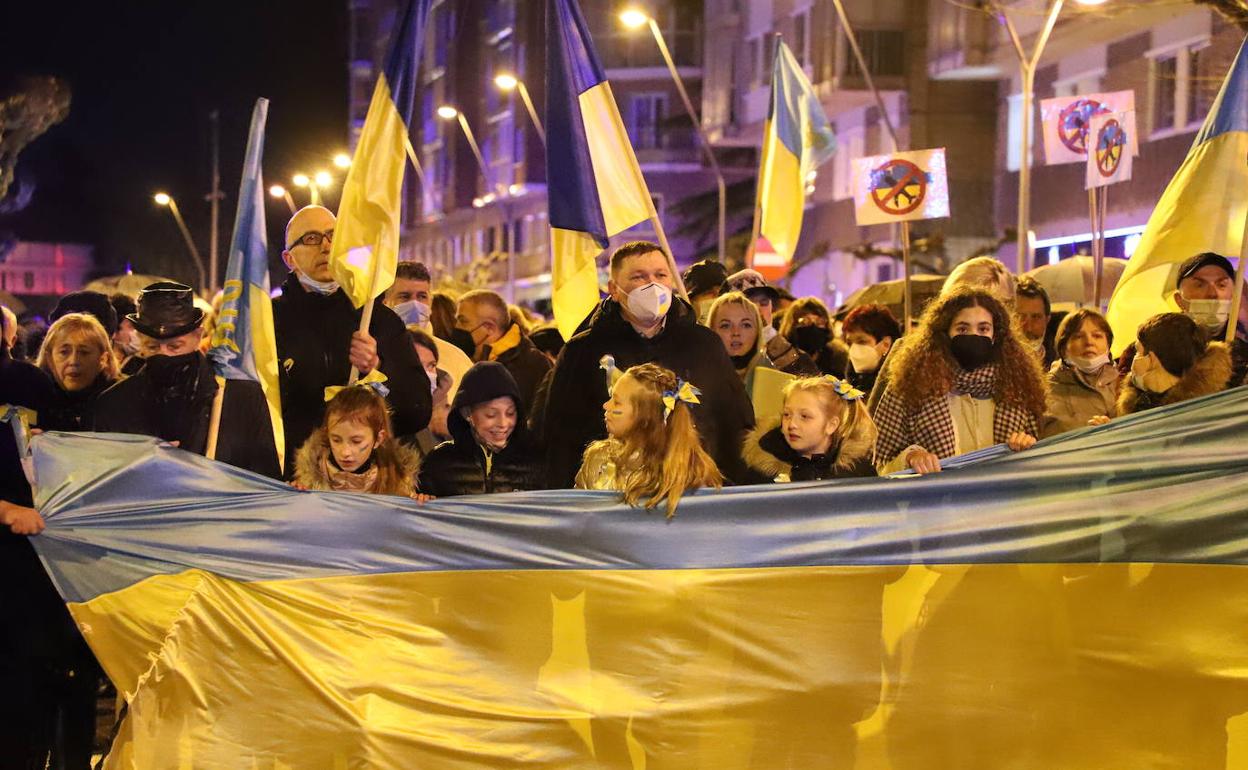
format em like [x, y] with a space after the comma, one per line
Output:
[653, 453]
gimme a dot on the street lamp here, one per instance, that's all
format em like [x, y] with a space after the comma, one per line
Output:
[314, 184]
[633, 18]
[447, 112]
[163, 199]
[277, 191]
[342, 160]
[507, 83]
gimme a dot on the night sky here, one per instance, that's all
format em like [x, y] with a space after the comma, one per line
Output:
[144, 76]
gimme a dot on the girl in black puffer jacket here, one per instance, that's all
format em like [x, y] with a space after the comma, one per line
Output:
[490, 449]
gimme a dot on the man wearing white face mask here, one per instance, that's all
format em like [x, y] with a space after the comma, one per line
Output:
[409, 297]
[1203, 290]
[1173, 362]
[641, 322]
[318, 339]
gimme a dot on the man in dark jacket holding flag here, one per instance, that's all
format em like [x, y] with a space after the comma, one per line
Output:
[318, 339]
[641, 322]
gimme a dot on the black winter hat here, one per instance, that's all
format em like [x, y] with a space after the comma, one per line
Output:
[90, 302]
[1203, 260]
[166, 310]
[707, 275]
[1175, 339]
[485, 381]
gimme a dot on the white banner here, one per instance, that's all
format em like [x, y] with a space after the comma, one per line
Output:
[1065, 120]
[1110, 137]
[900, 187]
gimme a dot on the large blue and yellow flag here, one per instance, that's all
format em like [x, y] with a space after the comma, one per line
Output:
[797, 138]
[1202, 209]
[592, 178]
[1077, 605]
[366, 237]
[244, 346]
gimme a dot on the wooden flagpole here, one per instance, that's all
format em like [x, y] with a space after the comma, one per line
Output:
[1237, 297]
[905, 259]
[214, 421]
[366, 318]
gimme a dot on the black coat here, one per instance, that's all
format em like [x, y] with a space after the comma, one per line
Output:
[74, 410]
[572, 414]
[769, 455]
[245, 437]
[458, 467]
[313, 347]
[21, 384]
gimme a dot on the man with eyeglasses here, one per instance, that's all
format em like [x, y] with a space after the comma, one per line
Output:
[318, 339]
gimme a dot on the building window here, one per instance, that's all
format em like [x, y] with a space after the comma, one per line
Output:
[1088, 83]
[883, 50]
[1179, 98]
[852, 147]
[801, 37]
[645, 115]
[28, 280]
[883, 271]
[753, 63]
[1014, 132]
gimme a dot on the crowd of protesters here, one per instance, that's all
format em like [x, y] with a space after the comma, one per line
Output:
[653, 397]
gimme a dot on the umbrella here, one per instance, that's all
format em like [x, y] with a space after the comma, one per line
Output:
[892, 294]
[12, 303]
[1070, 281]
[127, 283]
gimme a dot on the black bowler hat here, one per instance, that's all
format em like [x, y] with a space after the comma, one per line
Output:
[166, 310]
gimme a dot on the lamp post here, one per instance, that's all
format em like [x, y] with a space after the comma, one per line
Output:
[163, 199]
[277, 191]
[634, 19]
[507, 83]
[303, 180]
[447, 112]
[342, 160]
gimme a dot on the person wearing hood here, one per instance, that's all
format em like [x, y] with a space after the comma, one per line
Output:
[808, 326]
[870, 331]
[1173, 362]
[490, 449]
[171, 396]
[1203, 290]
[739, 325]
[641, 322]
[1083, 382]
[962, 382]
[318, 339]
[484, 316]
[824, 432]
[78, 355]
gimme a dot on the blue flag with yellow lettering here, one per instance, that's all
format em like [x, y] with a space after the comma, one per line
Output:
[243, 345]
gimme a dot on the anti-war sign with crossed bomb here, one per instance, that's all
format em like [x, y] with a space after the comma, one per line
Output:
[901, 187]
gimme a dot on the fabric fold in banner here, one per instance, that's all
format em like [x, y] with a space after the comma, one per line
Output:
[594, 183]
[1089, 589]
[366, 238]
[1202, 209]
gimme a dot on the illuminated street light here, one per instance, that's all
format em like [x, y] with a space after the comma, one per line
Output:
[447, 112]
[633, 18]
[323, 179]
[342, 160]
[507, 83]
[277, 191]
[164, 199]
[300, 180]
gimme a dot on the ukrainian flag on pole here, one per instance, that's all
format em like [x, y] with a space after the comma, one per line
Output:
[1202, 209]
[243, 344]
[366, 238]
[595, 185]
[796, 140]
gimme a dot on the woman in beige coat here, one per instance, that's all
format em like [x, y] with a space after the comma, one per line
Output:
[1083, 383]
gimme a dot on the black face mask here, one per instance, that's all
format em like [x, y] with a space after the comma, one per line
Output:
[811, 339]
[742, 361]
[170, 371]
[463, 340]
[972, 351]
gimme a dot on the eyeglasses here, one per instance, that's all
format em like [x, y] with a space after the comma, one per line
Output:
[314, 238]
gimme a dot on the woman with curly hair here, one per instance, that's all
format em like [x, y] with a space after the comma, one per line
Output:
[964, 382]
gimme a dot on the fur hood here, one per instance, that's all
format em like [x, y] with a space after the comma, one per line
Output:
[1210, 374]
[766, 451]
[310, 462]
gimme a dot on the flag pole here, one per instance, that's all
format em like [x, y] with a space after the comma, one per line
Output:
[667, 250]
[214, 422]
[366, 318]
[905, 260]
[1237, 297]
[1099, 263]
[1096, 273]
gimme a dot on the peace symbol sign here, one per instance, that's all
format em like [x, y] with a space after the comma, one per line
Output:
[898, 187]
[1111, 142]
[1073, 122]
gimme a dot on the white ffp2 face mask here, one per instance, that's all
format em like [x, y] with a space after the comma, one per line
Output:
[1088, 365]
[649, 304]
[864, 357]
[1209, 312]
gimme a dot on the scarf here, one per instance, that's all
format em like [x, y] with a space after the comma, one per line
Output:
[339, 480]
[930, 425]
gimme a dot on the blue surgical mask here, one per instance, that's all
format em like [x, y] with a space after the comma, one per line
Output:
[323, 288]
[413, 312]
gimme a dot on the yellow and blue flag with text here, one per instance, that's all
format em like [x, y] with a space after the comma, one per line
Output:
[1203, 209]
[1073, 606]
[797, 138]
[593, 181]
[366, 237]
[243, 345]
